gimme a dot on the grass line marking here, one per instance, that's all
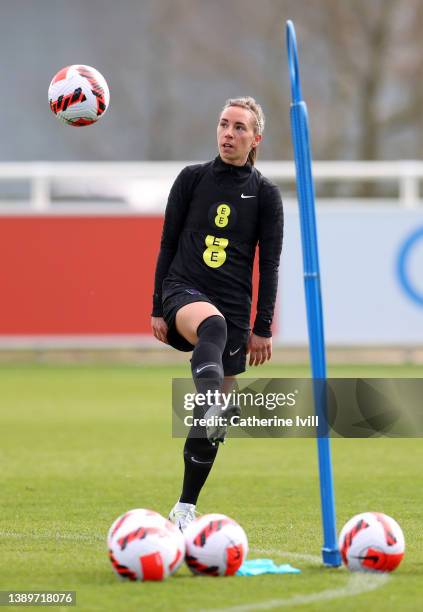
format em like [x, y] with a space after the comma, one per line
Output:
[356, 585]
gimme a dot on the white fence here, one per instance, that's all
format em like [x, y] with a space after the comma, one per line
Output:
[143, 186]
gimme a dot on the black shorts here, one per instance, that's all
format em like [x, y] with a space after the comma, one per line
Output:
[176, 295]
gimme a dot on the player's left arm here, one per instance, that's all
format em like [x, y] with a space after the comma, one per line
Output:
[270, 246]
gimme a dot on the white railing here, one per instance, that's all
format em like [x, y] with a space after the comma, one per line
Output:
[143, 186]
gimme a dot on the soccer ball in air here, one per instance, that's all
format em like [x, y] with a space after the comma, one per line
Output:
[143, 545]
[78, 95]
[371, 542]
[215, 545]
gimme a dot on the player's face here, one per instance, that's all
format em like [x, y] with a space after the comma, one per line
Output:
[235, 135]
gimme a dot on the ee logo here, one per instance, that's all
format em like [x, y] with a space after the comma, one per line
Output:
[215, 255]
[222, 217]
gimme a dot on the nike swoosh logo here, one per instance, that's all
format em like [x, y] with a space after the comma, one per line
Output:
[231, 353]
[210, 365]
[246, 196]
[197, 461]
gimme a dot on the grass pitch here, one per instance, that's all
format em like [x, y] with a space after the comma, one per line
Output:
[82, 444]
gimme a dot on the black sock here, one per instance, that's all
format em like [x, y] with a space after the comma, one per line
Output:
[206, 361]
[199, 456]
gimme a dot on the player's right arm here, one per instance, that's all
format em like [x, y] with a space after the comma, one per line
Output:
[176, 210]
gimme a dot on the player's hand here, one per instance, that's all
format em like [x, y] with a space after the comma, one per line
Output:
[260, 349]
[159, 329]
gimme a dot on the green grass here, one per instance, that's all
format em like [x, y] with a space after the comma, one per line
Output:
[82, 444]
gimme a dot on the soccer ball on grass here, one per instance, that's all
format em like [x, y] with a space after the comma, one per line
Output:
[371, 542]
[143, 545]
[215, 545]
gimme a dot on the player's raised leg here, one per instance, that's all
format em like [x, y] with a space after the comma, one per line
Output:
[202, 324]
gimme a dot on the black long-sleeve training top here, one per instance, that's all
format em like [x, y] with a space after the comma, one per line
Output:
[215, 216]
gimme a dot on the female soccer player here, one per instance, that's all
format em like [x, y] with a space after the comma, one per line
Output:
[216, 214]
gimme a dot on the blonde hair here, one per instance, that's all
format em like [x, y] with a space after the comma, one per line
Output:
[254, 107]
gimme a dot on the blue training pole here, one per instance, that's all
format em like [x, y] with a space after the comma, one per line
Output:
[305, 192]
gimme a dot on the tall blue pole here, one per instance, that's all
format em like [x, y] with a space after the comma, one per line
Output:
[305, 192]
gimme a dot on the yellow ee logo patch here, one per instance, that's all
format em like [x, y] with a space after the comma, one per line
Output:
[222, 217]
[215, 255]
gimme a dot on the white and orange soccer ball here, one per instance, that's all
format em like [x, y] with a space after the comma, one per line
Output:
[215, 545]
[371, 542]
[78, 95]
[143, 545]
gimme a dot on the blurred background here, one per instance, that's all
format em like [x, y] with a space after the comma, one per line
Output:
[81, 209]
[170, 65]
